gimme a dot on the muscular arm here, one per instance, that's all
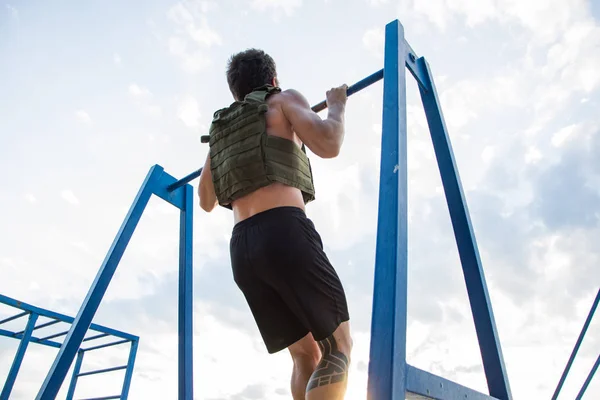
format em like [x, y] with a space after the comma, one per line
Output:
[322, 137]
[206, 189]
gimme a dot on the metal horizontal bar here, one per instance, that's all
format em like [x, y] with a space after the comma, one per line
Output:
[101, 335]
[188, 178]
[4, 332]
[101, 346]
[357, 87]
[100, 371]
[64, 318]
[41, 326]
[118, 396]
[14, 317]
[433, 386]
[55, 335]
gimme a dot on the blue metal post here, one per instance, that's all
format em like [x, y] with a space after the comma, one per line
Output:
[76, 370]
[588, 320]
[387, 366]
[485, 326]
[186, 306]
[588, 379]
[129, 371]
[86, 313]
[16, 365]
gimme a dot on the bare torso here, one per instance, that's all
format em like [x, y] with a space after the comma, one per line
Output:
[276, 194]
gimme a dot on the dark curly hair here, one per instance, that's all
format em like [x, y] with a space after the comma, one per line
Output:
[248, 70]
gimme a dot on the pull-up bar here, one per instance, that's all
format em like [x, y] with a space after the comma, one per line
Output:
[357, 87]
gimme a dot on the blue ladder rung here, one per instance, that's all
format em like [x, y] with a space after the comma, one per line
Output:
[14, 317]
[103, 398]
[99, 371]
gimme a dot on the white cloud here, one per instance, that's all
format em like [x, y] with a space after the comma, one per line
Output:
[376, 3]
[189, 112]
[564, 134]
[30, 198]
[373, 40]
[143, 99]
[193, 36]
[69, 197]
[14, 13]
[533, 155]
[117, 59]
[138, 91]
[83, 116]
[287, 6]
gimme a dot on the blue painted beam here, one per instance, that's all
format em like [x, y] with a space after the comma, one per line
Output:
[101, 346]
[90, 305]
[387, 365]
[103, 370]
[17, 316]
[9, 301]
[18, 360]
[186, 295]
[50, 323]
[584, 329]
[588, 379]
[433, 386]
[55, 335]
[75, 375]
[33, 339]
[416, 69]
[94, 337]
[162, 190]
[481, 307]
[129, 371]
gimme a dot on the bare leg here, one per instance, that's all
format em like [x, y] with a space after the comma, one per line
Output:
[330, 379]
[306, 355]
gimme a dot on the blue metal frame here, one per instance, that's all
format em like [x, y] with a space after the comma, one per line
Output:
[584, 329]
[481, 307]
[27, 336]
[159, 183]
[387, 367]
[390, 377]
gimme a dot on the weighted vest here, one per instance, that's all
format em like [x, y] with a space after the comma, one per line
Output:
[243, 158]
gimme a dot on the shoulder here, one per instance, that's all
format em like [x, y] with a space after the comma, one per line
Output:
[293, 97]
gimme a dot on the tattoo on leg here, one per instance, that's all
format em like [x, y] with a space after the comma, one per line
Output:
[332, 368]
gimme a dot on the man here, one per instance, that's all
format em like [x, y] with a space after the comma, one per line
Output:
[260, 171]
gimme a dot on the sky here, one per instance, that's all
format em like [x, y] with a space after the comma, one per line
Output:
[93, 94]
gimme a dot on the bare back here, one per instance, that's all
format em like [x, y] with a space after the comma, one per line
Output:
[276, 194]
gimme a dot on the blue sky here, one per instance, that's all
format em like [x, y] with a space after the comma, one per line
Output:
[94, 93]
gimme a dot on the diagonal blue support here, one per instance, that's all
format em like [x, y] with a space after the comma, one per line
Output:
[90, 305]
[387, 366]
[18, 360]
[584, 329]
[485, 326]
[588, 379]
[186, 295]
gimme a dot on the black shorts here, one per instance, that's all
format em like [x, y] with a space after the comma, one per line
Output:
[291, 287]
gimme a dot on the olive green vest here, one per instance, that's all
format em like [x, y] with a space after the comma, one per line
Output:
[243, 158]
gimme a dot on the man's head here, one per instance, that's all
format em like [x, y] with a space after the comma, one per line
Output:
[248, 70]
